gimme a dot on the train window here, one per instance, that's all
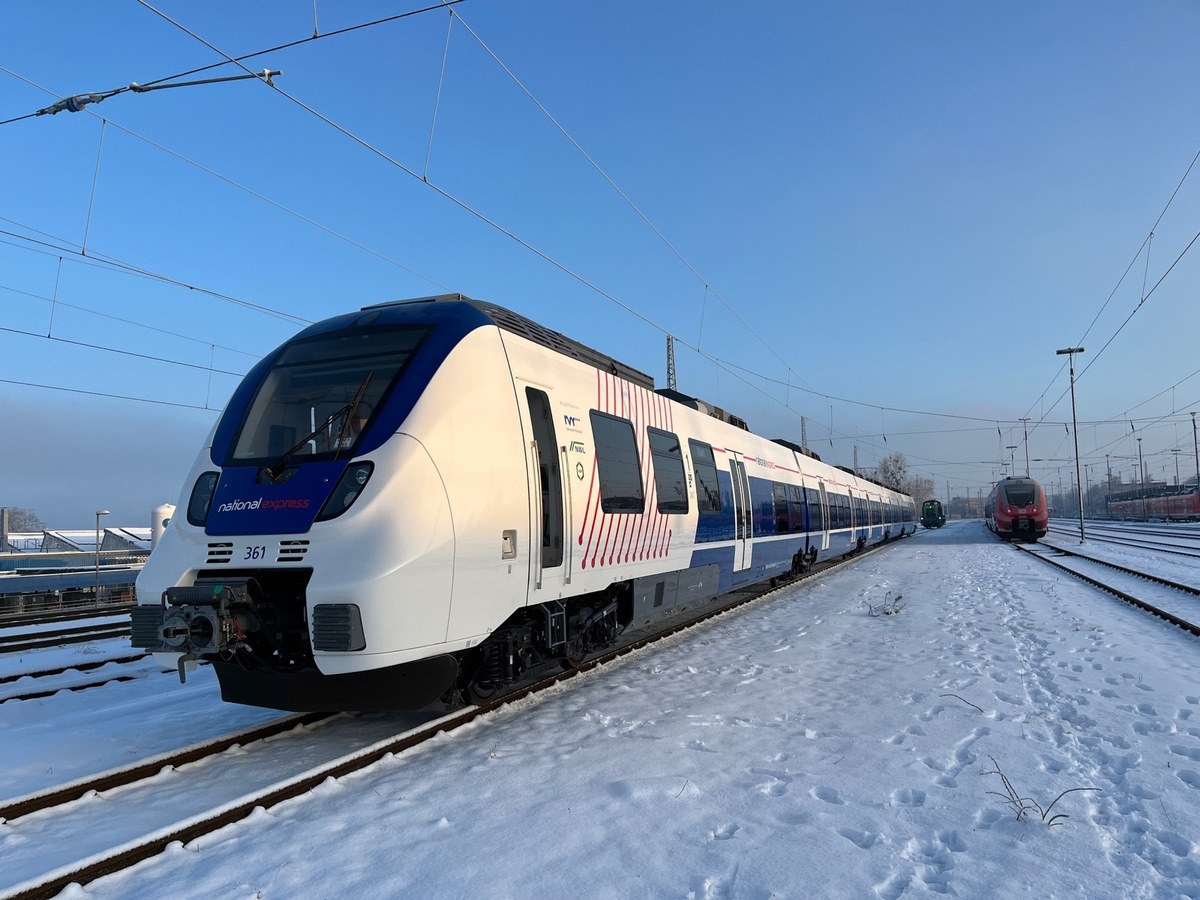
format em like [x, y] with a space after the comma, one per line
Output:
[708, 492]
[796, 507]
[816, 514]
[669, 479]
[839, 511]
[1019, 493]
[780, 496]
[319, 393]
[617, 463]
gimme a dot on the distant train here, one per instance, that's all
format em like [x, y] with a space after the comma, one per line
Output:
[1016, 509]
[428, 500]
[1157, 501]
[933, 515]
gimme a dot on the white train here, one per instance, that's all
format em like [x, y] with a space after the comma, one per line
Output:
[428, 499]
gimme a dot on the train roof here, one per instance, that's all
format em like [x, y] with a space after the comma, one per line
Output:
[792, 445]
[515, 323]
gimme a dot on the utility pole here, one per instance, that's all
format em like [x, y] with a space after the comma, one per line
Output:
[1196, 445]
[1070, 352]
[1026, 421]
[1141, 478]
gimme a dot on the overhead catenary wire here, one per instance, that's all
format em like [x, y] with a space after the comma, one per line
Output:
[58, 301]
[567, 270]
[707, 287]
[1144, 246]
[129, 268]
[78, 102]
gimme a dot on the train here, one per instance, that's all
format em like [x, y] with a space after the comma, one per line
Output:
[933, 514]
[1016, 509]
[1159, 501]
[425, 501]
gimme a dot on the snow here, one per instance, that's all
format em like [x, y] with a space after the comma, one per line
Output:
[798, 748]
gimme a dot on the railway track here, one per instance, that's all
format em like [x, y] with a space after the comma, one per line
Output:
[1177, 603]
[44, 617]
[49, 818]
[1134, 538]
[22, 641]
[74, 677]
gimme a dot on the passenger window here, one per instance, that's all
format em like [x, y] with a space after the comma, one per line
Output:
[779, 494]
[814, 509]
[796, 506]
[617, 463]
[670, 482]
[708, 492]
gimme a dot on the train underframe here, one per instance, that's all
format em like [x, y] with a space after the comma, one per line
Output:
[253, 627]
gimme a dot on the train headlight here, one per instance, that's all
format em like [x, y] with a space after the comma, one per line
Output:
[201, 499]
[348, 489]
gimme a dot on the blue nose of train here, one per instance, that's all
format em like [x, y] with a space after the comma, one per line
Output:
[247, 503]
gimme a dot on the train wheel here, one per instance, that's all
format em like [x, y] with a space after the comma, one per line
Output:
[574, 657]
[481, 692]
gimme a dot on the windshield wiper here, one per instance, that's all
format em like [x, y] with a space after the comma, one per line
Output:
[275, 469]
[351, 416]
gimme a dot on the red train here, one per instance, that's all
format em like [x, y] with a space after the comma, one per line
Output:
[1016, 509]
[1160, 502]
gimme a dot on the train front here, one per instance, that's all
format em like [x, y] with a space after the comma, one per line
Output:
[286, 557]
[1021, 512]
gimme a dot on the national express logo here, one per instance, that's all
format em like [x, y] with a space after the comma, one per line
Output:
[262, 504]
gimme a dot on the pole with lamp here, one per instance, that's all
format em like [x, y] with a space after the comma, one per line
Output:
[1070, 352]
[99, 513]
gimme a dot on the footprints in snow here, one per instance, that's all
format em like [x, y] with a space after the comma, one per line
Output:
[926, 864]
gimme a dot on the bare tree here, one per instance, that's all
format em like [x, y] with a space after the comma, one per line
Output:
[21, 519]
[892, 471]
[920, 489]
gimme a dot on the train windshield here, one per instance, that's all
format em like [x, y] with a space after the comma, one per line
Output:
[1020, 493]
[321, 393]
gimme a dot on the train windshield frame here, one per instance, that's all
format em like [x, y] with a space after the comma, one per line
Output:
[321, 394]
[1020, 493]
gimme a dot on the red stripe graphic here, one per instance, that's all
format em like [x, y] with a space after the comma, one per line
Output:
[615, 539]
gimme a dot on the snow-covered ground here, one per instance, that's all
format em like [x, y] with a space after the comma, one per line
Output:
[801, 748]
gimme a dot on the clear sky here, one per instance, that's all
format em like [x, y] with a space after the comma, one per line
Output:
[882, 217]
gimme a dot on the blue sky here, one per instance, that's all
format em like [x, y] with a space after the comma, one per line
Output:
[882, 217]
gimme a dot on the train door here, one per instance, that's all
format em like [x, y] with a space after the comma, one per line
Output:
[742, 513]
[855, 518]
[549, 550]
[823, 537]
